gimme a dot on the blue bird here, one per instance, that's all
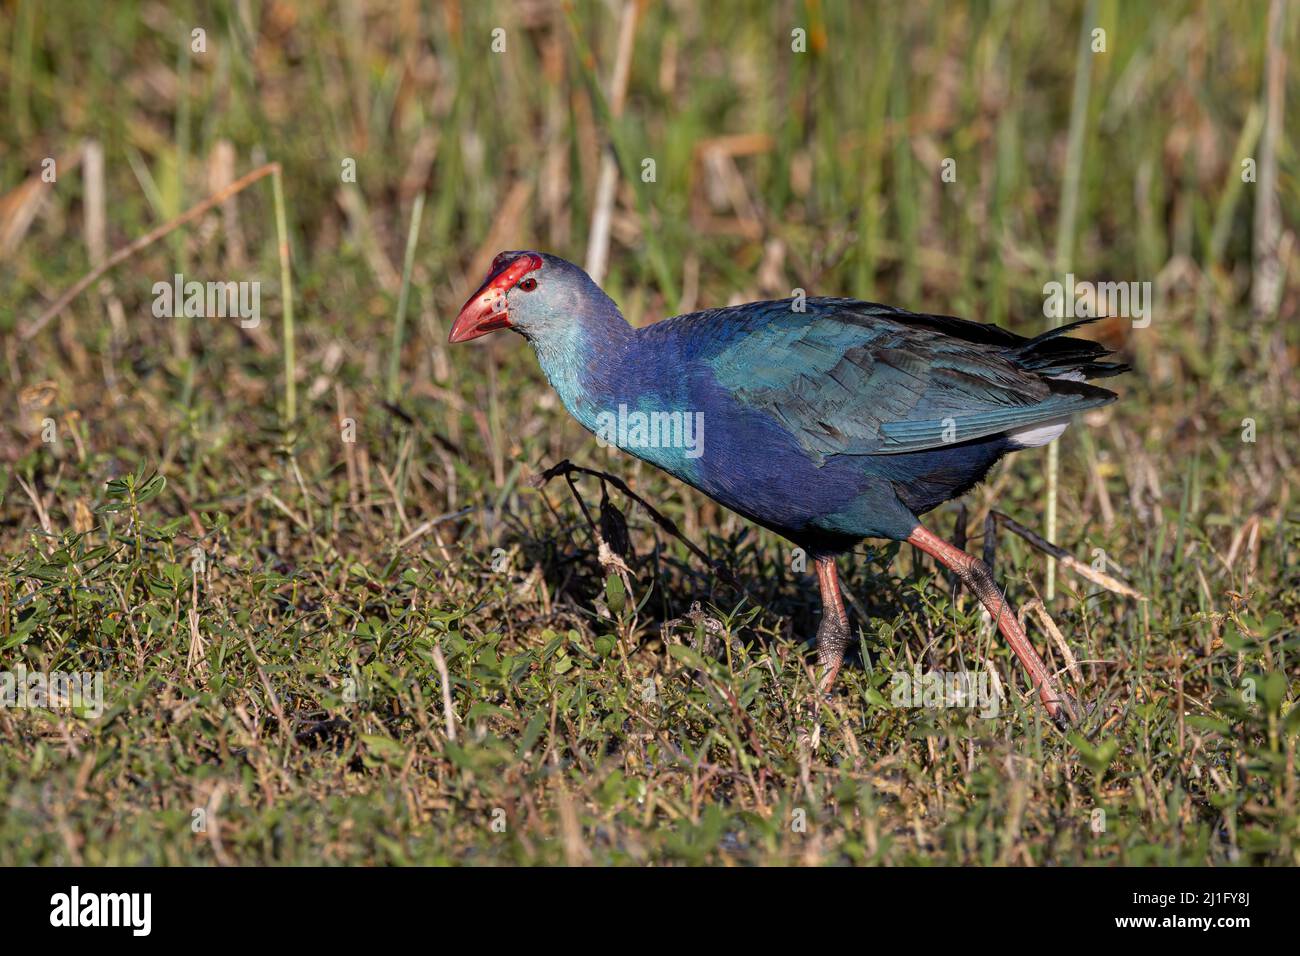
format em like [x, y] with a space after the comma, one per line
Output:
[826, 420]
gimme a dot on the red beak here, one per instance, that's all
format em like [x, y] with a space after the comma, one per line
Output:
[485, 311]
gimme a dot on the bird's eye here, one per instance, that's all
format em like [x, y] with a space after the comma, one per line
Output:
[528, 285]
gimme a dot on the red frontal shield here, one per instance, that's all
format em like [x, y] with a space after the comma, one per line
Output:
[485, 311]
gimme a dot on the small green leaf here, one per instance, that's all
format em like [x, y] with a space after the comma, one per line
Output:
[875, 697]
[687, 656]
[615, 594]
[384, 748]
[1097, 758]
[1272, 691]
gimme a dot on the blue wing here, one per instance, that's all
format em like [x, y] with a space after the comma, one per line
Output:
[846, 377]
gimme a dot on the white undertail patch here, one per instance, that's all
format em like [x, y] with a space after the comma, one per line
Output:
[1035, 435]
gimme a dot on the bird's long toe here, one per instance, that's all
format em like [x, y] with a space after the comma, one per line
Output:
[1071, 711]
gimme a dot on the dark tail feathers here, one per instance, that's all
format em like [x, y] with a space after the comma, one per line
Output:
[1051, 354]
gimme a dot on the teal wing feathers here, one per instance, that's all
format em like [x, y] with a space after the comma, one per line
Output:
[854, 378]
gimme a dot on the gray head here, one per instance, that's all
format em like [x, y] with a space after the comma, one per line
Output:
[538, 295]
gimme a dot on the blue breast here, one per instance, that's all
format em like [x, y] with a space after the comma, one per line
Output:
[661, 401]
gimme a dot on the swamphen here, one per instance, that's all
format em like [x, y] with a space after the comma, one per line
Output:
[826, 420]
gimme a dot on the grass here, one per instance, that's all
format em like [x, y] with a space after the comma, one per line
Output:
[336, 628]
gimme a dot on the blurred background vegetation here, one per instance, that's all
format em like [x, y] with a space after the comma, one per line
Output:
[792, 145]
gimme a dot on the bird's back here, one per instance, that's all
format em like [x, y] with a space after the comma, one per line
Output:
[856, 408]
[860, 378]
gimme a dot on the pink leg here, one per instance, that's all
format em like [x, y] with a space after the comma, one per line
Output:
[833, 634]
[975, 574]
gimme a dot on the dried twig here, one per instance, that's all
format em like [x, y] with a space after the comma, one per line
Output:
[1054, 632]
[959, 541]
[41, 514]
[1063, 257]
[448, 715]
[606, 185]
[148, 239]
[568, 469]
[19, 206]
[1067, 560]
[286, 296]
[433, 523]
[1266, 280]
[990, 540]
